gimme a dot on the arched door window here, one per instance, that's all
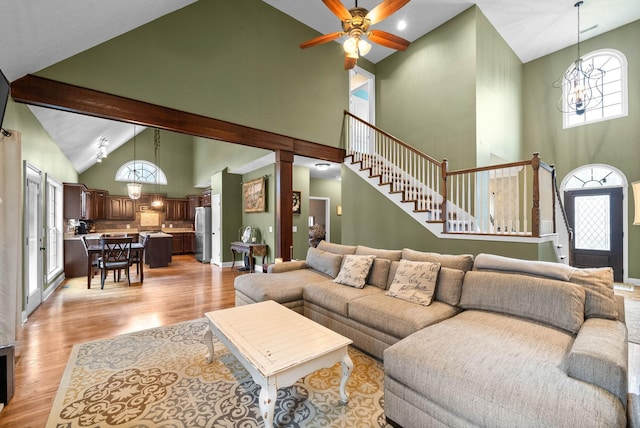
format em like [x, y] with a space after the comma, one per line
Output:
[141, 171]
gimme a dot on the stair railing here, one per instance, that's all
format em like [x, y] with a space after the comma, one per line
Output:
[501, 199]
[516, 198]
[406, 170]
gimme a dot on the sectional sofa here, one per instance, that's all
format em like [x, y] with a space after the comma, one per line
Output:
[485, 341]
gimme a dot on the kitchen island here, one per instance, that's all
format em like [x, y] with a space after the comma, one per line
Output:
[158, 250]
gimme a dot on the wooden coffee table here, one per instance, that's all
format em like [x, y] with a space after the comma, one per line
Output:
[277, 346]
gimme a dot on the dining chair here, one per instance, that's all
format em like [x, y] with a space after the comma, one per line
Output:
[115, 255]
[94, 261]
[137, 257]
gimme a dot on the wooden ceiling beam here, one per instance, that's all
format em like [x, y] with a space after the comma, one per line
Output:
[57, 95]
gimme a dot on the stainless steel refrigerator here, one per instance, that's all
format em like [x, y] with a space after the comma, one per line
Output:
[203, 234]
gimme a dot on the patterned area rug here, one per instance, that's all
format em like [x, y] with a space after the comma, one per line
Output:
[160, 378]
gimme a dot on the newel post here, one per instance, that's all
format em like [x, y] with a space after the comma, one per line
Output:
[535, 209]
[443, 207]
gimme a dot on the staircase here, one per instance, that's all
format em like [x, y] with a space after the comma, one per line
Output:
[513, 201]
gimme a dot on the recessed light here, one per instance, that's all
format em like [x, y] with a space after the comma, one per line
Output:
[402, 24]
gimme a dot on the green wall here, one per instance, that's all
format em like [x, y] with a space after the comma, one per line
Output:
[229, 187]
[426, 95]
[301, 183]
[211, 156]
[369, 218]
[498, 98]
[455, 93]
[237, 61]
[175, 159]
[612, 142]
[265, 219]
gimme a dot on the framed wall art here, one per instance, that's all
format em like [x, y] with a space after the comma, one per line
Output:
[253, 193]
[297, 202]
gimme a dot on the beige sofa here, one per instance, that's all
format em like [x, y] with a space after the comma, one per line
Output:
[509, 343]
[369, 317]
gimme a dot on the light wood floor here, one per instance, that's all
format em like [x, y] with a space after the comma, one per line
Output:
[183, 291]
[73, 314]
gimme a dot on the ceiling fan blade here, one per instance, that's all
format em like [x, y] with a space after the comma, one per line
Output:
[349, 63]
[321, 39]
[338, 9]
[384, 9]
[387, 39]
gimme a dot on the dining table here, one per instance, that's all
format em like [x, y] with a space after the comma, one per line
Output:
[95, 250]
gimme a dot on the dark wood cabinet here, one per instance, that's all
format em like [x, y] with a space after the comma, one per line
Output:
[75, 258]
[98, 204]
[194, 202]
[75, 202]
[189, 243]
[176, 243]
[176, 209]
[183, 243]
[120, 208]
[146, 199]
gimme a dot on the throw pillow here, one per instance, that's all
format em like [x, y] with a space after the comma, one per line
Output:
[355, 270]
[324, 261]
[415, 282]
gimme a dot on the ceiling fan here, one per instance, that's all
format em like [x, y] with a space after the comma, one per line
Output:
[355, 24]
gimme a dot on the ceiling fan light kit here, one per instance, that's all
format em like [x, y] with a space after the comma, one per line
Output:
[355, 25]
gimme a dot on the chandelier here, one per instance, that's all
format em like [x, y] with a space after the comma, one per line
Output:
[581, 85]
[134, 189]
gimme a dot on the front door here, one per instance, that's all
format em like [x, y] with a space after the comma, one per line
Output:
[33, 250]
[595, 215]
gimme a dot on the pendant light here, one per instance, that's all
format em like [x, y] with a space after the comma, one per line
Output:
[157, 202]
[581, 85]
[134, 189]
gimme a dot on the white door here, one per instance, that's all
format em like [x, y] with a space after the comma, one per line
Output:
[33, 249]
[216, 235]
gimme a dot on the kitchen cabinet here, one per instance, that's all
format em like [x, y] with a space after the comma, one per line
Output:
[147, 198]
[75, 258]
[98, 204]
[176, 209]
[194, 202]
[158, 250]
[120, 208]
[75, 201]
[183, 243]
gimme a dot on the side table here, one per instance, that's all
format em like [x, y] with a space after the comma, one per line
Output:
[252, 249]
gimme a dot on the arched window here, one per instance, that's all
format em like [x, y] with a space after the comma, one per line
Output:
[609, 92]
[593, 176]
[143, 171]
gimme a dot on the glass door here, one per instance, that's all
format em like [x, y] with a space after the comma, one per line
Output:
[34, 249]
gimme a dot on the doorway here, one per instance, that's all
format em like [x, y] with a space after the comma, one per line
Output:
[320, 213]
[33, 247]
[362, 94]
[595, 205]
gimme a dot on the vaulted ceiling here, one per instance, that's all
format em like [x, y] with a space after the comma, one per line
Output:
[38, 33]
